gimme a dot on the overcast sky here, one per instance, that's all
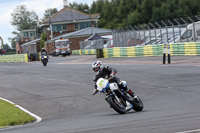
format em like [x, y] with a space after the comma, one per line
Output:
[39, 6]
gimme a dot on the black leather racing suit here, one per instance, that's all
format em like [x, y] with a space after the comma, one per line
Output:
[43, 51]
[106, 72]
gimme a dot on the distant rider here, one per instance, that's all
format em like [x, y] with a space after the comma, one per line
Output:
[44, 52]
[107, 72]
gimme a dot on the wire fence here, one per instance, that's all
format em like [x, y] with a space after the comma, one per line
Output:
[31, 51]
[93, 44]
[170, 31]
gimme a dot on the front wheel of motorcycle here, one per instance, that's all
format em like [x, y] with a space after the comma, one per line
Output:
[137, 104]
[118, 107]
[44, 62]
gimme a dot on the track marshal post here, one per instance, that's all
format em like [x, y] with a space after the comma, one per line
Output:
[164, 54]
[169, 57]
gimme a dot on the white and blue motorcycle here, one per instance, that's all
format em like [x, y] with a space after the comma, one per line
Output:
[119, 100]
[44, 58]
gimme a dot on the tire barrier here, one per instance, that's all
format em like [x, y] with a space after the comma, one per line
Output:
[84, 52]
[153, 50]
[17, 58]
[143, 51]
[99, 53]
[76, 52]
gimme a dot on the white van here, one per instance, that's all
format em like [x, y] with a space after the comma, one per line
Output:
[109, 43]
[62, 47]
[189, 35]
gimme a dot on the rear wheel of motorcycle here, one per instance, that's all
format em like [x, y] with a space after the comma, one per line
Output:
[138, 105]
[115, 106]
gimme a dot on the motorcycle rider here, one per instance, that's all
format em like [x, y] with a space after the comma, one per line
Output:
[44, 52]
[108, 72]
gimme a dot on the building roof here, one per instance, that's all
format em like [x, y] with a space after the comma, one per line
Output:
[31, 42]
[85, 32]
[95, 36]
[70, 14]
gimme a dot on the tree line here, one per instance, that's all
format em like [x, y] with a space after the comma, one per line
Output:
[122, 13]
[114, 14]
[23, 19]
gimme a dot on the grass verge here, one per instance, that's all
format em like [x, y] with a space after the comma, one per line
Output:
[11, 115]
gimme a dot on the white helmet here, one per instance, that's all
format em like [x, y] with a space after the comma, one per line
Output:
[97, 66]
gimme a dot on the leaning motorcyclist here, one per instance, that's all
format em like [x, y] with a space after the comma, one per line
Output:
[108, 72]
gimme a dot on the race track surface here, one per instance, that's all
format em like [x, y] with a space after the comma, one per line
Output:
[61, 94]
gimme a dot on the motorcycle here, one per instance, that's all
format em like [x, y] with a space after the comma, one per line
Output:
[118, 99]
[44, 58]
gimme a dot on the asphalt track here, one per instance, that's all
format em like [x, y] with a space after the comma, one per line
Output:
[61, 94]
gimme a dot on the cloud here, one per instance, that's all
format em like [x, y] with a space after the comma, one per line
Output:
[39, 6]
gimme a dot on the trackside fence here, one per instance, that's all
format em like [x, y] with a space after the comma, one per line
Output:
[17, 58]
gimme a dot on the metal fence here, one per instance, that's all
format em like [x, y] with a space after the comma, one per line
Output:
[170, 31]
[31, 51]
[93, 44]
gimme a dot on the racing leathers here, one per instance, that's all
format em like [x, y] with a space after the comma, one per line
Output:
[109, 72]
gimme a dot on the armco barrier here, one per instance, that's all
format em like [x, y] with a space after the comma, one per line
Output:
[22, 58]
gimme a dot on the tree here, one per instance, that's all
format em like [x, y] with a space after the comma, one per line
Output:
[43, 39]
[93, 7]
[156, 15]
[6, 46]
[23, 19]
[13, 42]
[14, 39]
[49, 12]
[146, 10]
[74, 5]
[99, 6]
[134, 18]
[81, 7]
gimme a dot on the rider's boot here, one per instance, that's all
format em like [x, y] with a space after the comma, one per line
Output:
[130, 92]
[124, 86]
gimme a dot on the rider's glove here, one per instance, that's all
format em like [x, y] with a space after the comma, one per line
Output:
[95, 91]
[112, 75]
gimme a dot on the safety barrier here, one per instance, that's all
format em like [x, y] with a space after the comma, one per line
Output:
[84, 52]
[76, 52]
[153, 50]
[150, 50]
[143, 51]
[21, 58]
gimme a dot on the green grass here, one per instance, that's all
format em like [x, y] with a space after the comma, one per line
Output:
[11, 115]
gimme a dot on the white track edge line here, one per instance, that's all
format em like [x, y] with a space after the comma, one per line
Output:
[38, 119]
[190, 131]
